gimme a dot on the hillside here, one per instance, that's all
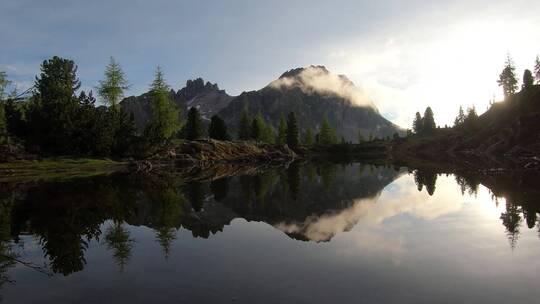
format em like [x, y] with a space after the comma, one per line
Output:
[311, 93]
[509, 130]
[207, 97]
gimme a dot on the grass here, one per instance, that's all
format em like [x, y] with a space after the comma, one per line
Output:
[56, 169]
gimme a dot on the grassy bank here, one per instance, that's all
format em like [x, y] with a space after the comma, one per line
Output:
[56, 169]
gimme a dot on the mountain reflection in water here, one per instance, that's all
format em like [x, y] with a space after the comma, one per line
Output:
[47, 228]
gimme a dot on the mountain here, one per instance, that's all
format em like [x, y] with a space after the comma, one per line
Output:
[312, 93]
[207, 97]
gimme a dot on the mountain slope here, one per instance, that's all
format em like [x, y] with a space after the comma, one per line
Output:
[207, 97]
[312, 93]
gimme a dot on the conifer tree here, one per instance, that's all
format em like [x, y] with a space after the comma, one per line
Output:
[460, 118]
[165, 116]
[52, 114]
[282, 131]
[4, 82]
[194, 126]
[528, 80]
[244, 127]
[218, 129]
[267, 134]
[537, 69]
[418, 124]
[111, 88]
[257, 127]
[308, 138]
[327, 135]
[292, 131]
[429, 121]
[507, 79]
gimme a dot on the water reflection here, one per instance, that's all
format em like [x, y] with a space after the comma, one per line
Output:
[308, 202]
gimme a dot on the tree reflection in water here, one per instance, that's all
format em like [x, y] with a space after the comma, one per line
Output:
[66, 216]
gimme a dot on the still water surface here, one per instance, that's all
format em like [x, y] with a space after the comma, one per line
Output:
[321, 233]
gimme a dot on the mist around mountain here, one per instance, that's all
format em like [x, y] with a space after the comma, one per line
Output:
[312, 93]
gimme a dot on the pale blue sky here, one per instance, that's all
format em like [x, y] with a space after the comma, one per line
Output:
[400, 52]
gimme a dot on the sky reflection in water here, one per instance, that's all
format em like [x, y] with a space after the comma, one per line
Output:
[310, 234]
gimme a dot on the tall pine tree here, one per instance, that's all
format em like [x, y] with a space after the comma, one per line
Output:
[327, 135]
[292, 131]
[244, 126]
[218, 129]
[429, 121]
[282, 131]
[537, 69]
[507, 79]
[194, 126]
[418, 123]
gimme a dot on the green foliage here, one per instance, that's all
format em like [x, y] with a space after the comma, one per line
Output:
[261, 131]
[507, 79]
[308, 138]
[327, 135]
[292, 131]
[218, 129]
[256, 127]
[111, 88]
[528, 79]
[54, 108]
[244, 127]
[194, 127]
[282, 131]
[165, 116]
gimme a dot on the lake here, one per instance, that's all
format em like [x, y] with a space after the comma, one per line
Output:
[309, 233]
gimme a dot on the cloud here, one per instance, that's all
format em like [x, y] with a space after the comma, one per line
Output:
[317, 79]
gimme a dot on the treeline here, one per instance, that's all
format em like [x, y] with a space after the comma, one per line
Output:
[508, 81]
[55, 118]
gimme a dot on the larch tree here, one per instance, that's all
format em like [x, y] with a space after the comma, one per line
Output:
[111, 89]
[460, 118]
[165, 116]
[327, 135]
[507, 79]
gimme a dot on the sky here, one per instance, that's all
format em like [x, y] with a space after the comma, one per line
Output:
[405, 55]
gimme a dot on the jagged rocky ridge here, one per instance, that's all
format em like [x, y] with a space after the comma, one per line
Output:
[310, 92]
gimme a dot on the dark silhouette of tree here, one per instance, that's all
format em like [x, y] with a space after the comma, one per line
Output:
[293, 180]
[244, 127]
[194, 126]
[418, 124]
[426, 178]
[218, 129]
[53, 110]
[460, 118]
[471, 120]
[195, 195]
[256, 127]
[537, 69]
[528, 79]
[428, 125]
[511, 219]
[281, 138]
[292, 131]
[219, 188]
[507, 79]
